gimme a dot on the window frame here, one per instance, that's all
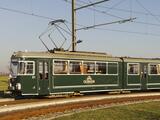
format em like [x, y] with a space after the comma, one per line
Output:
[102, 63]
[149, 68]
[53, 67]
[14, 72]
[80, 73]
[83, 63]
[94, 73]
[26, 62]
[108, 68]
[133, 64]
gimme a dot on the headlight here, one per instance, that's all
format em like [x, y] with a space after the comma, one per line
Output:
[18, 86]
[10, 85]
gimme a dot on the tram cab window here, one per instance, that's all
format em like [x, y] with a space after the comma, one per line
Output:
[100, 68]
[154, 69]
[60, 67]
[133, 69]
[75, 67]
[26, 68]
[14, 68]
[22, 68]
[89, 67]
[113, 68]
[29, 68]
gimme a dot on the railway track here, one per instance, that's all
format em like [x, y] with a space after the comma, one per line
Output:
[19, 109]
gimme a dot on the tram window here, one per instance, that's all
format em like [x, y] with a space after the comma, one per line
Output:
[75, 67]
[155, 69]
[100, 68]
[158, 68]
[133, 69]
[22, 68]
[46, 70]
[29, 68]
[113, 68]
[26, 68]
[40, 70]
[60, 67]
[89, 67]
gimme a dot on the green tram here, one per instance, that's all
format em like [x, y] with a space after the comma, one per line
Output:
[64, 72]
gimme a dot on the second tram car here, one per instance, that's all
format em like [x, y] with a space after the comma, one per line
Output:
[64, 72]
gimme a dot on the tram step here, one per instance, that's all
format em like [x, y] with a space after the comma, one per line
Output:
[125, 92]
[114, 92]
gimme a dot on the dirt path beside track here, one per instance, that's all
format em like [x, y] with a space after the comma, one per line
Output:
[64, 108]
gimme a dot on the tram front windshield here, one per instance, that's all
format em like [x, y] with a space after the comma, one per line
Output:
[14, 69]
[22, 68]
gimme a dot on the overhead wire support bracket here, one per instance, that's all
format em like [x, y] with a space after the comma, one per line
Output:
[74, 9]
[92, 4]
[98, 25]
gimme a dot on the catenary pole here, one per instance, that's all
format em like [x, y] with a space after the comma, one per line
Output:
[73, 25]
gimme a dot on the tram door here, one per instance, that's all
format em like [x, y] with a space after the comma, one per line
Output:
[43, 77]
[144, 75]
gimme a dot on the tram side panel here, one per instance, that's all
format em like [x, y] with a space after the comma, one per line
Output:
[100, 76]
[43, 76]
[153, 81]
[141, 74]
[132, 77]
[28, 76]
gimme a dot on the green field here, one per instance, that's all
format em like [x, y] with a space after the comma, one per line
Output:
[141, 111]
[3, 83]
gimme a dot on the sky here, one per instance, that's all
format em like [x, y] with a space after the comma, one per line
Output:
[20, 27]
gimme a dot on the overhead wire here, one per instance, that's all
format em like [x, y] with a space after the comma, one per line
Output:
[91, 4]
[33, 14]
[120, 2]
[131, 32]
[131, 11]
[108, 23]
[99, 11]
[117, 4]
[104, 12]
[25, 13]
[123, 10]
[136, 12]
[138, 22]
[94, 14]
[49, 18]
[148, 11]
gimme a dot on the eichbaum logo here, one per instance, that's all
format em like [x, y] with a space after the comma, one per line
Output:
[89, 80]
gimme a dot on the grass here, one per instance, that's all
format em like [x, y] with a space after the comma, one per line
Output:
[141, 111]
[3, 83]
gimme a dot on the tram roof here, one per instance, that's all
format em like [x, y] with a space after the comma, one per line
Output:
[66, 55]
[81, 55]
[142, 60]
